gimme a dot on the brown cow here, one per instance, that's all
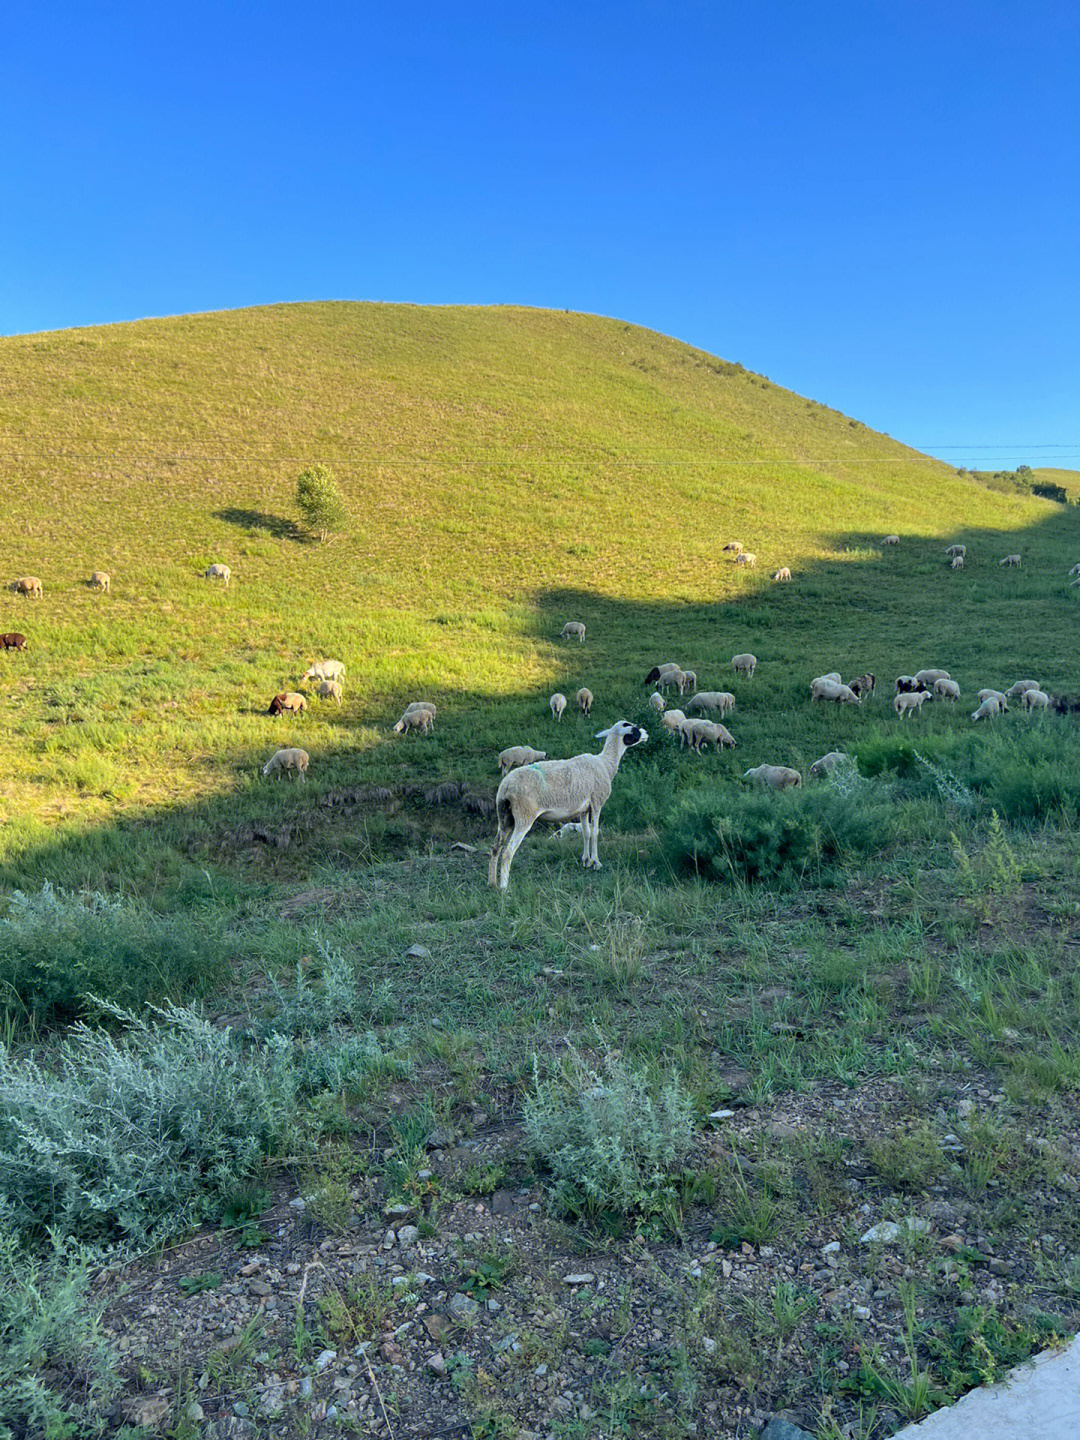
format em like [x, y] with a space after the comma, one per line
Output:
[13, 641]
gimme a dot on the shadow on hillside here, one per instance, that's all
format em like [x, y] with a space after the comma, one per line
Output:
[279, 526]
[890, 611]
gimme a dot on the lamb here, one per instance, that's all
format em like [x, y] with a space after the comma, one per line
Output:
[824, 689]
[689, 680]
[721, 700]
[289, 700]
[783, 573]
[672, 719]
[989, 707]
[218, 572]
[778, 777]
[422, 720]
[415, 705]
[744, 664]
[324, 670]
[699, 733]
[953, 550]
[557, 704]
[747, 558]
[28, 585]
[930, 677]
[573, 627]
[1014, 691]
[584, 698]
[828, 763]
[13, 640]
[674, 677]
[956, 563]
[864, 685]
[519, 755]
[99, 580]
[891, 540]
[1035, 700]
[657, 671]
[295, 760]
[561, 790]
[998, 695]
[734, 545]
[946, 689]
[910, 701]
[330, 690]
[657, 701]
[1010, 560]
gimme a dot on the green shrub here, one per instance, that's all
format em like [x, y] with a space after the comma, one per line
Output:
[319, 500]
[57, 948]
[780, 836]
[612, 1141]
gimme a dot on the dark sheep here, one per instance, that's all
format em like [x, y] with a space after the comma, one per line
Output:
[13, 641]
[907, 685]
[864, 685]
[1065, 704]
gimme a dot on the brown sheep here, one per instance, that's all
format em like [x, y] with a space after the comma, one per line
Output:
[13, 640]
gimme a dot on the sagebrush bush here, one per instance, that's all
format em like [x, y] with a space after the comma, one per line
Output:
[779, 836]
[57, 948]
[610, 1139]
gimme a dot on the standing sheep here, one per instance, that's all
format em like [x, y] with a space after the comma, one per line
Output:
[1034, 700]
[1016, 690]
[744, 664]
[956, 563]
[584, 698]
[783, 573]
[946, 689]
[288, 760]
[998, 695]
[699, 733]
[99, 580]
[910, 702]
[657, 701]
[519, 755]
[747, 558]
[290, 701]
[1010, 560]
[422, 720]
[28, 585]
[734, 545]
[864, 685]
[330, 690]
[671, 720]
[573, 627]
[777, 777]
[721, 700]
[824, 689]
[953, 550]
[655, 674]
[891, 540]
[563, 790]
[678, 678]
[324, 670]
[828, 763]
[557, 704]
[924, 678]
[218, 572]
[990, 706]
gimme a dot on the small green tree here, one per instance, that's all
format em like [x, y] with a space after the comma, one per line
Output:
[320, 500]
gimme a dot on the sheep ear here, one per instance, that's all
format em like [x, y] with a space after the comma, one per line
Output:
[603, 734]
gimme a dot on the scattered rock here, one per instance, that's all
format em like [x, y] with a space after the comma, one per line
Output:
[325, 1358]
[436, 1326]
[781, 1428]
[441, 1138]
[585, 1278]
[436, 1363]
[146, 1410]
[408, 1235]
[462, 1307]
[721, 1114]
[885, 1232]
[964, 1108]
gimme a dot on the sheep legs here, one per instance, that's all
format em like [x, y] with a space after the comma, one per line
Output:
[512, 832]
[590, 833]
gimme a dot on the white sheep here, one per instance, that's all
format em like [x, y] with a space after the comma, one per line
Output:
[561, 790]
[953, 550]
[324, 670]
[699, 733]
[557, 704]
[998, 695]
[734, 545]
[930, 677]
[1016, 690]
[747, 558]
[584, 698]
[946, 689]
[783, 573]
[956, 563]
[1035, 700]
[891, 540]
[283, 760]
[28, 585]
[422, 720]
[828, 763]
[671, 720]
[519, 755]
[833, 690]
[1010, 560]
[1075, 570]
[721, 700]
[657, 701]
[744, 664]
[990, 706]
[677, 678]
[218, 572]
[573, 627]
[654, 675]
[911, 702]
[833, 675]
[100, 580]
[778, 777]
[689, 680]
[330, 690]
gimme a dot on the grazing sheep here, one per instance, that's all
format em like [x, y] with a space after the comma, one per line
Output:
[294, 760]
[28, 585]
[778, 777]
[1010, 560]
[558, 704]
[330, 690]
[823, 689]
[783, 573]
[289, 700]
[956, 563]
[833, 675]
[744, 664]
[218, 572]
[671, 720]
[657, 701]
[930, 677]
[653, 677]
[1035, 700]
[519, 755]
[953, 550]
[1075, 570]
[678, 678]
[721, 700]
[99, 580]
[910, 701]
[864, 685]
[584, 698]
[415, 705]
[734, 545]
[891, 540]
[828, 763]
[905, 684]
[560, 790]
[747, 558]
[1065, 704]
[13, 640]
[946, 689]
[990, 706]
[422, 720]
[573, 627]
[689, 680]
[1021, 685]
[699, 733]
[324, 670]
[998, 695]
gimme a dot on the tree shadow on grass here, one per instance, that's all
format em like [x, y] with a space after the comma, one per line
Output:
[279, 526]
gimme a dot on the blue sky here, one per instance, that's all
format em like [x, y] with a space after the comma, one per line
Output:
[875, 204]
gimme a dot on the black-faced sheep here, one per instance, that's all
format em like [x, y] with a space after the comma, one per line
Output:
[289, 700]
[891, 540]
[864, 685]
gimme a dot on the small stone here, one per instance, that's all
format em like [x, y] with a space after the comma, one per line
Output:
[148, 1410]
[436, 1327]
[585, 1278]
[964, 1108]
[708, 1344]
[436, 1364]
[305, 1388]
[541, 1371]
[463, 1307]
[780, 1428]
[195, 1412]
[325, 1358]
[725, 1268]
[398, 1211]
[441, 1138]
[260, 1287]
[721, 1114]
[408, 1235]
[417, 952]
[831, 1248]
[861, 1312]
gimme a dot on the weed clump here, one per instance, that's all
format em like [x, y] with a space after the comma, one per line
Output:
[611, 1140]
